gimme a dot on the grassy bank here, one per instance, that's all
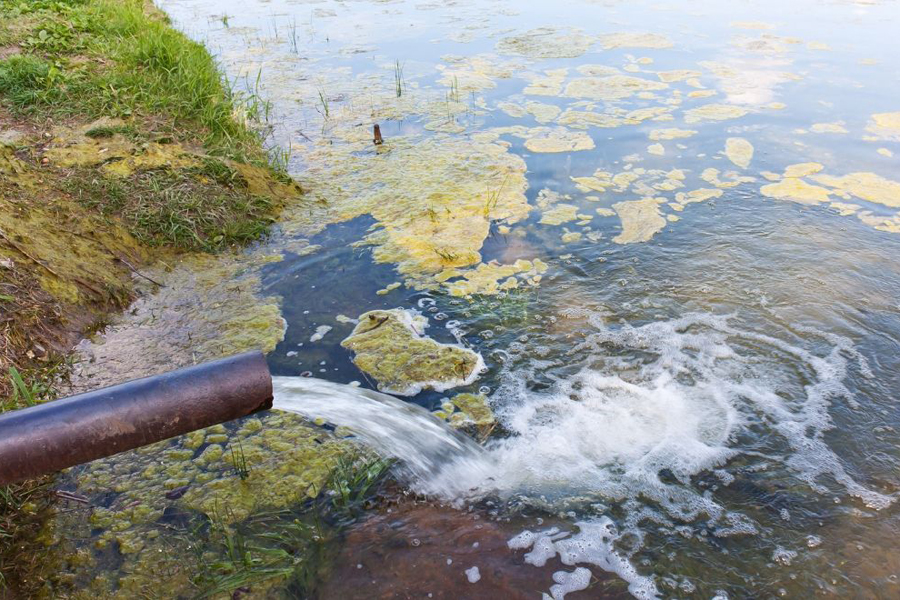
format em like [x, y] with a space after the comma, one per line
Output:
[120, 144]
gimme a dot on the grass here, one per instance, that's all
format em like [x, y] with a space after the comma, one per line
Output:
[161, 208]
[73, 62]
[145, 68]
[24, 506]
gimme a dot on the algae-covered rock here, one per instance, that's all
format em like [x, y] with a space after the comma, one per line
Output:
[474, 407]
[390, 346]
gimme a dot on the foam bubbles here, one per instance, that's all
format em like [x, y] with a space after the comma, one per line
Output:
[593, 544]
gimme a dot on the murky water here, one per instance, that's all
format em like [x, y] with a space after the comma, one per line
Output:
[669, 229]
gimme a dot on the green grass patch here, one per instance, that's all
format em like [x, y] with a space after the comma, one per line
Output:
[120, 58]
[177, 209]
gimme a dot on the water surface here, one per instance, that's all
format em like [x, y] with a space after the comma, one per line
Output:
[695, 362]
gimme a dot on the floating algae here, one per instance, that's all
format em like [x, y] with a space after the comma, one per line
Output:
[885, 125]
[671, 134]
[546, 42]
[802, 169]
[739, 151]
[542, 113]
[390, 346]
[711, 176]
[516, 111]
[656, 149]
[434, 200]
[714, 112]
[641, 220]
[559, 214]
[613, 87]
[796, 190]
[865, 186]
[558, 139]
[475, 73]
[612, 41]
[474, 408]
[682, 199]
[548, 84]
[888, 224]
[580, 119]
[485, 279]
[836, 127]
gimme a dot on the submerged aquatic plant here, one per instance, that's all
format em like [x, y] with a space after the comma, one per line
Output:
[291, 545]
[239, 460]
[398, 78]
[323, 100]
[293, 37]
[493, 197]
[353, 481]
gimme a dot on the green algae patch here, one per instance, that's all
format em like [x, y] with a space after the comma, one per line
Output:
[491, 278]
[641, 220]
[475, 73]
[614, 87]
[885, 126]
[542, 113]
[13, 169]
[390, 346]
[655, 41]
[433, 201]
[582, 119]
[118, 155]
[714, 112]
[270, 462]
[671, 134]
[682, 199]
[865, 186]
[559, 214]
[475, 408]
[739, 151]
[835, 127]
[559, 139]
[546, 42]
[548, 84]
[796, 190]
[78, 264]
[469, 412]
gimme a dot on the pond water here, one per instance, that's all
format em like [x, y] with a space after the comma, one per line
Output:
[670, 230]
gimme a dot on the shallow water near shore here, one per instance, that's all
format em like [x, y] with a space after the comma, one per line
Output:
[670, 230]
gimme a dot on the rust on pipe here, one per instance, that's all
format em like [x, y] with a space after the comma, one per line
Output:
[49, 437]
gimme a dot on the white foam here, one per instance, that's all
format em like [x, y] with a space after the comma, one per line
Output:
[473, 575]
[593, 544]
[577, 580]
[609, 431]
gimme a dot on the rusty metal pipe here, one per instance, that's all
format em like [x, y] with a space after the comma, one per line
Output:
[46, 438]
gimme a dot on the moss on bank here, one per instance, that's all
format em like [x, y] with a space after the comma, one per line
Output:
[120, 145]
